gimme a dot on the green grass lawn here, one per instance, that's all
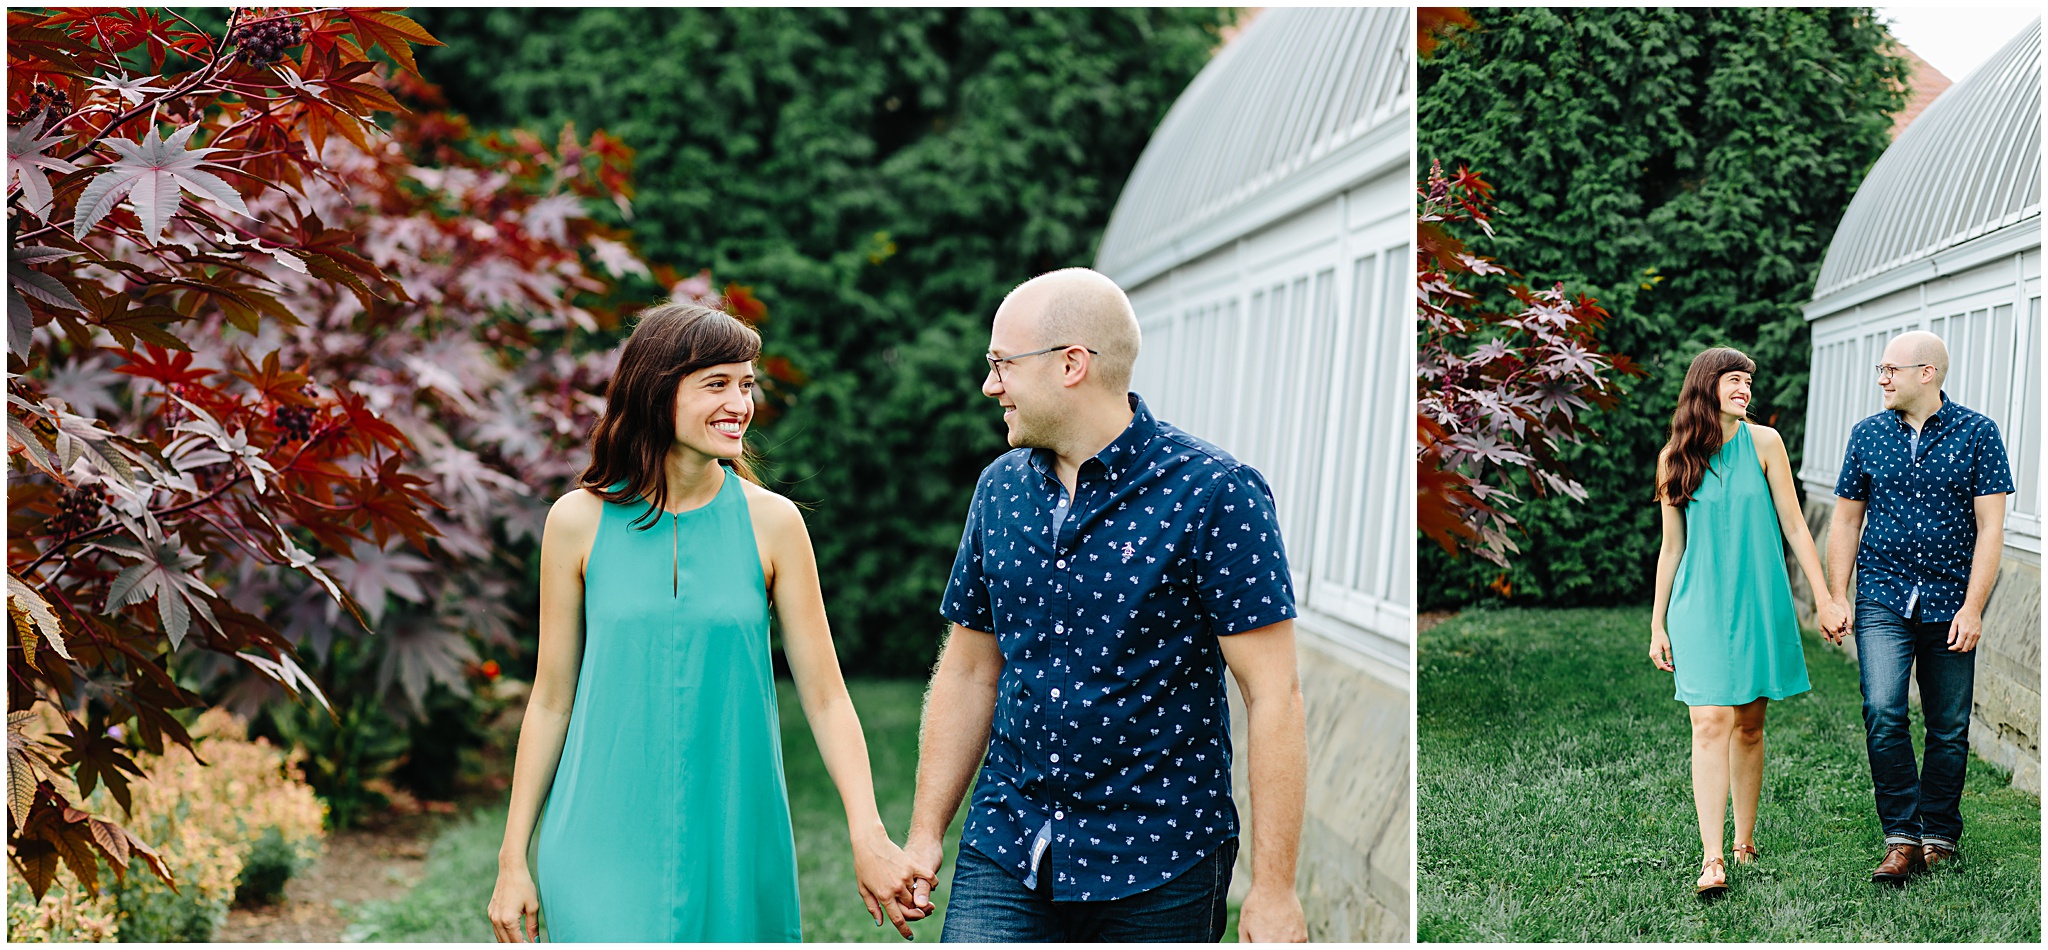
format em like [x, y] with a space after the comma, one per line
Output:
[1555, 803]
[462, 863]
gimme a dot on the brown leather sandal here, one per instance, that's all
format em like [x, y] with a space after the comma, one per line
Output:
[1713, 890]
[1746, 854]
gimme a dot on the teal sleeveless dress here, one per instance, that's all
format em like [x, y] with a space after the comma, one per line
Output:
[1734, 632]
[668, 820]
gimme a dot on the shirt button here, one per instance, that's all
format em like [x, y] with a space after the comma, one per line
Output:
[1055, 695]
[1059, 628]
[1061, 563]
[1059, 816]
[1055, 758]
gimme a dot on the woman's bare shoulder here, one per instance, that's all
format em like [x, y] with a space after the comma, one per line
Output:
[1765, 435]
[576, 513]
[770, 509]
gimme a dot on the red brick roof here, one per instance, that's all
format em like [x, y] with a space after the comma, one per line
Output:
[1926, 83]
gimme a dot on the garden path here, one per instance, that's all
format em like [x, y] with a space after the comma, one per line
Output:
[364, 864]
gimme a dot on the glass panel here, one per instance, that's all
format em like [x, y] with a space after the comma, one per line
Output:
[1318, 361]
[2024, 450]
[1347, 519]
[1395, 369]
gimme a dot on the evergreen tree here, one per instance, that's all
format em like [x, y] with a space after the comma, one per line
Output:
[1685, 166]
[880, 178]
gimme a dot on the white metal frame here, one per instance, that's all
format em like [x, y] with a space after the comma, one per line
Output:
[1292, 349]
[1265, 240]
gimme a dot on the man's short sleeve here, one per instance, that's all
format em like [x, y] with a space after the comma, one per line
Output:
[1853, 482]
[1990, 472]
[966, 599]
[1240, 562]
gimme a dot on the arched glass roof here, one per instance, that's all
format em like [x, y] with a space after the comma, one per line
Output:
[1296, 85]
[1969, 165]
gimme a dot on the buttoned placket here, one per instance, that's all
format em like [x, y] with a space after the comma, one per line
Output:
[1059, 695]
[1917, 479]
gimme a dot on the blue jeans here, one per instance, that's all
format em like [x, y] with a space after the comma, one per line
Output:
[1923, 805]
[989, 905]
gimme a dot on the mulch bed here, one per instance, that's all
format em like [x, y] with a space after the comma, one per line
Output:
[379, 862]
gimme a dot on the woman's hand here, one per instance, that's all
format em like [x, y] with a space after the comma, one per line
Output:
[1660, 650]
[515, 907]
[886, 878]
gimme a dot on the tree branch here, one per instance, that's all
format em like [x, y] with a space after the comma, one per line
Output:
[60, 544]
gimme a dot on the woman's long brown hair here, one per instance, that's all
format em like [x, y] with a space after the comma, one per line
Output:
[630, 444]
[1696, 425]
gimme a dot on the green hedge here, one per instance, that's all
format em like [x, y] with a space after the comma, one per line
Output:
[1688, 168]
[881, 178]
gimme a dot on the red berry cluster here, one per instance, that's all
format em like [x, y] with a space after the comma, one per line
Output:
[77, 511]
[264, 43]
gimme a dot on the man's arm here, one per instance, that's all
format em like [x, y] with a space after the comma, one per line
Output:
[1262, 660]
[1845, 532]
[1968, 625]
[959, 707]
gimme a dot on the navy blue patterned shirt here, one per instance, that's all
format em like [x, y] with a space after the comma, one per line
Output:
[1921, 527]
[1108, 765]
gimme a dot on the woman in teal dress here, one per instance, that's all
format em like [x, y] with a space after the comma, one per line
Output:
[1723, 622]
[650, 757]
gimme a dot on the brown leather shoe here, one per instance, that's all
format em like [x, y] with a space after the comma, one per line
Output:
[1935, 854]
[1900, 860]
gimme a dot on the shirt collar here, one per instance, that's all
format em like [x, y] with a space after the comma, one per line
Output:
[1938, 417]
[1118, 456]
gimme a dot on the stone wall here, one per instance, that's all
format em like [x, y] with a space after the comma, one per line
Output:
[1353, 871]
[2005, 721]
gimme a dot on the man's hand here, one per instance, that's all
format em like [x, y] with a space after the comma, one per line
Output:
[926, 856]
[1271, 915]
[1833, 618]
[885, 879]
[1965, 629]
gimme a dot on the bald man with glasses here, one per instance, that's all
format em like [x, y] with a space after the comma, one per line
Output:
[1920, 511]
[1113, 568]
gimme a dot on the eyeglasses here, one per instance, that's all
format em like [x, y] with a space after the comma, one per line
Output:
[1885, 370]
[995, 363]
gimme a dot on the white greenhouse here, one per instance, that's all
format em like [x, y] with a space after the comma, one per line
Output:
[1264, 240]
[1945, 235]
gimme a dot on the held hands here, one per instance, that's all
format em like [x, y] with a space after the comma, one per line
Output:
[1833, 617]
[926, 855]
[515, 907]
[1271, 915]
[888, 880]
[1660, 650]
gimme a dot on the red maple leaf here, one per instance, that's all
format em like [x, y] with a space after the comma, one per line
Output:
[380, 27]
[165, 366]
[741, 302]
